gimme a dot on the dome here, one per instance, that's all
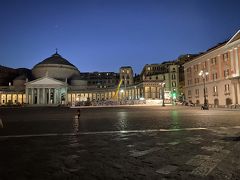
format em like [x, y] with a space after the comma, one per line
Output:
[56, 67]
[56, 59]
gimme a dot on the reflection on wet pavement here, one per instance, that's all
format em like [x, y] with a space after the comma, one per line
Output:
[75, 124]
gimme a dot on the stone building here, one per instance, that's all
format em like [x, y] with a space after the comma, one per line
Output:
[218, 70]
[56, 81]
[167, 74]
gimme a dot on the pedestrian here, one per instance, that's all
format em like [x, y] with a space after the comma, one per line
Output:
[78, 113]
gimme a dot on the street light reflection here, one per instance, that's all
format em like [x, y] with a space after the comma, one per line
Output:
[175, 120]
[122, 120]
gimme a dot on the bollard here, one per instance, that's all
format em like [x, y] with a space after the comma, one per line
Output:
[1, 123]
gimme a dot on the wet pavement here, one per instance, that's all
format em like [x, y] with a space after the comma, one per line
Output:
[119, 143]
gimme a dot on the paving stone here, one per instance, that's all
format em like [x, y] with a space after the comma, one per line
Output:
[205, 168]
[130, 145]
[136, 153]
[174, 143]
[198, 160]
[167, 169]
[215, 148]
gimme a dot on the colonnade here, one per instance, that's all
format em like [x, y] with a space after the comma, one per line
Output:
[12, 98]
[45, 96]
[130, 93]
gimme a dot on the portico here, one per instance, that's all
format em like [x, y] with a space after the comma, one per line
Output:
[46, 91]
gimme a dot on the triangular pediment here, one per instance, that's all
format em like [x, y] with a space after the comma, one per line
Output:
[46, 81]
[235, 37]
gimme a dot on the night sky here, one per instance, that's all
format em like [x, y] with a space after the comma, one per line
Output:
[101, 35]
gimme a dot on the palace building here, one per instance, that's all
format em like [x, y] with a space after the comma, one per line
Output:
[216, 70]
[55, 81]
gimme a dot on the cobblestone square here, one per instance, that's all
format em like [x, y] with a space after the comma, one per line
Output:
[119, 143]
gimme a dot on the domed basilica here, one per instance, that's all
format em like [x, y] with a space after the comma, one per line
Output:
[55, 81]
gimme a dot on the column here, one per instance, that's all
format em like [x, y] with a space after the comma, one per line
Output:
[231, 59]
[55, 96]
[143, 92]
[38, 96]
[44, 97]
[32, 89]
[49, 95]
[236, 59]
[150, 92]
[17, 99]
[239, 90]
[156, 93]
[27, 96]
[235, 93]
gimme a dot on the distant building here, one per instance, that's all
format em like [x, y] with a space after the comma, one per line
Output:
[167, 74]
[56, 81]
[220, 66]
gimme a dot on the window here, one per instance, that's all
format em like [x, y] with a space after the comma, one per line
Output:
[225, 56]
[196, 80]
[189, 82]
[204, 65]
[174, 84]
[226, 87]
[156, 77]
[214, 89]
[197, 92]
[189, 92]
[226, 73]
[214, 76]
[173, 70]
[214, 61]
[173, 76]
[195, 67]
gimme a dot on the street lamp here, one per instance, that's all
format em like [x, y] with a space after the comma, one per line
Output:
[203, 74]
[162, 87]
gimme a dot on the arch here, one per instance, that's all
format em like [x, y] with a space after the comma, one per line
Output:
[197, 102]
[216, 102]
[228, 101]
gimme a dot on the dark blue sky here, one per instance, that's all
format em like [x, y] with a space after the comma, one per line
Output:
[101, 35]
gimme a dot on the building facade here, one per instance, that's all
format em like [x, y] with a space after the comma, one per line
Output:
[55, 81]
[168, 75]
[218, 70]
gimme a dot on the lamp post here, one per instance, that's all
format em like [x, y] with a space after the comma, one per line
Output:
[162, 87]
[203, 74]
